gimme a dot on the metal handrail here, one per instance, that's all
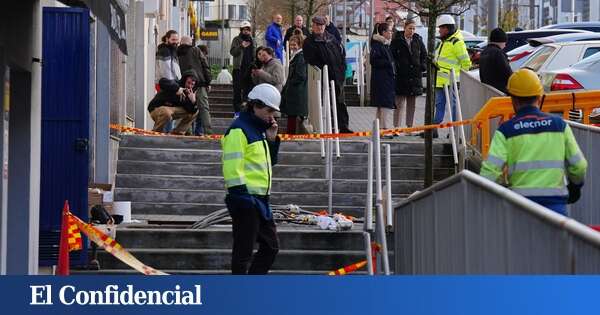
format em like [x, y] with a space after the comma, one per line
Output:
[582, 126]
[560, 221]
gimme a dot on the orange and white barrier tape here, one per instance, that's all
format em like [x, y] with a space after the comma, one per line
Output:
[291, 137]
[114, 248]
[348, 269]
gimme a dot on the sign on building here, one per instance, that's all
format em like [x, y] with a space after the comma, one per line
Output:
[209, 34]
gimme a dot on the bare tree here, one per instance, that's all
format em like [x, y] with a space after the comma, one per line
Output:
[508, 17]
[429, 10]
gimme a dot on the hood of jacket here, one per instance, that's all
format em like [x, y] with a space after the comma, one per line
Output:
[183, 49]
[381, 39]
[188, 73]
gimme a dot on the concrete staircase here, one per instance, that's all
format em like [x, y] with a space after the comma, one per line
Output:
[174, 182]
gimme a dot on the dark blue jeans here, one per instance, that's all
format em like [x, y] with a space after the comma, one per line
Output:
[440, 105]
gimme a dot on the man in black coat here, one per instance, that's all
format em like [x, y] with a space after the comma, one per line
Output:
[321, 48]
[192, 58]
[298, 25]
[176, 100]
[494, 68]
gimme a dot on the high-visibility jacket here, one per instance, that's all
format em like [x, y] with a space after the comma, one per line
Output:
[451, 53]
[538, 150]
[247, 161]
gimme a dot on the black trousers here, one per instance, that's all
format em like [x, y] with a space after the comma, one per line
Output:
[241, 87]
[340, 103]
[237, 90]
[250, 227]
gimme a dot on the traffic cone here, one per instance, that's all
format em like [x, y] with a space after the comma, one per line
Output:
[63, 250]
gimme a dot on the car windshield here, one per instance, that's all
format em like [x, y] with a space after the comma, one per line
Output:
[539, 58]
[587, 62]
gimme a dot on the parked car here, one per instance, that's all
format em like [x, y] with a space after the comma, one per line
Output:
[583, 75]
[586, 26]
[520, 55]
[517, 39]
[560, 55]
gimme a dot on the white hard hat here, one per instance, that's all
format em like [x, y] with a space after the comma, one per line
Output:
[445, 19]
[267, 94]
[245, 24]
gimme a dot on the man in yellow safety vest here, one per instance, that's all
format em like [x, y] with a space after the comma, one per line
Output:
[250, 148]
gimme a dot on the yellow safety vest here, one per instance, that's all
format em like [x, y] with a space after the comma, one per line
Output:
[451, 53]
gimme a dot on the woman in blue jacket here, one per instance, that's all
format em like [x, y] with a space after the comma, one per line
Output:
[382, 75]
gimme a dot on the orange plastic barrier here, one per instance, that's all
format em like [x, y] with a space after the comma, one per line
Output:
[552, 103]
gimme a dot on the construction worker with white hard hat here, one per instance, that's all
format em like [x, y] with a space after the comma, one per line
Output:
[451, 53]
[250, 148]
[538, 150]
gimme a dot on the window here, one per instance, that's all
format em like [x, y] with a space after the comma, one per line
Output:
[231, 11]
[207, 10]
[243, 13]
[590, 51]
[539, 58]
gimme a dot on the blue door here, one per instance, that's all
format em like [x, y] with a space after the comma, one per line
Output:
[65, 124]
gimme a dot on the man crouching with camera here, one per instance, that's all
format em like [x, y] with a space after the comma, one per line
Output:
[176, 100]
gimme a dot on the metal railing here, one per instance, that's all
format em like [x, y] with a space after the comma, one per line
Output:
[383, 208]
[587, 209]
[474, 95]
[467, 224]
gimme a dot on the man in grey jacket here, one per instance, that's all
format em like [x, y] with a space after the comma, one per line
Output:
[242, 50]
[271, 71]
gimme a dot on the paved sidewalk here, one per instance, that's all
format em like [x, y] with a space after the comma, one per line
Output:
[361, 118]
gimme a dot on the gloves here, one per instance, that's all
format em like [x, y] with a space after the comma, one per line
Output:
[574, 193]
[431, 60]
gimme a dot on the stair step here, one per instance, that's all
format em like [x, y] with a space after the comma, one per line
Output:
[284, 157]
[285, 171]
[219, 259]
[411, 145]
[140, 210]
[309, 238]
[217, 196]
[279, 184]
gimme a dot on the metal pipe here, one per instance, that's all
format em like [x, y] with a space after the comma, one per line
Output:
[381, 238]
[459, 115]
[462, 138]
[320, 114]
[222, 33]
[368, 252]
[368, 224]
[377, 157]
[361, 75]
[388, 183]
[328, 153]
[334, 119]
[344, 38]
[330, 176]
[452, 136]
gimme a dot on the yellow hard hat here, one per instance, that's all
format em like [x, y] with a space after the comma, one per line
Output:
[524, 83]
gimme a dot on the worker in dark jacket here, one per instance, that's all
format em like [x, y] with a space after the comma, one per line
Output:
[382, 76]
[192, 58]
[176, 100]
[250, 148]
[321, 48]
[494, 68]
[410, 56]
